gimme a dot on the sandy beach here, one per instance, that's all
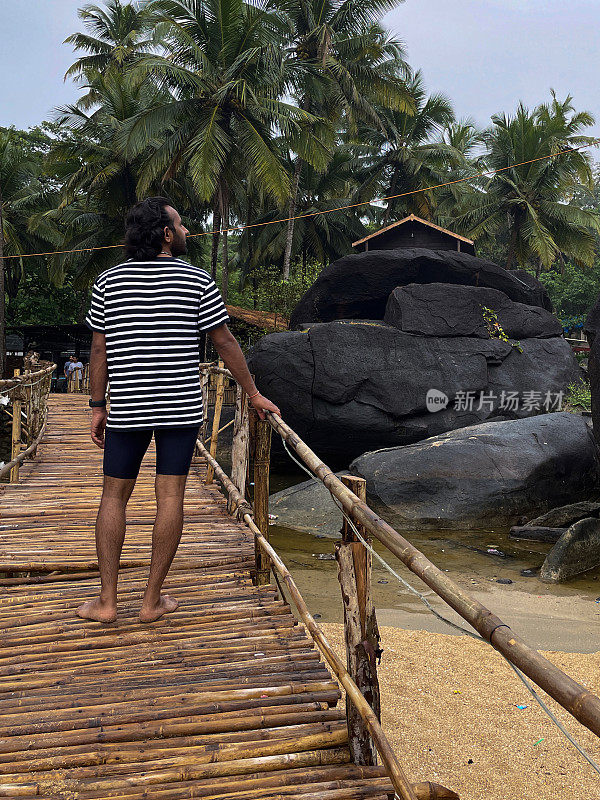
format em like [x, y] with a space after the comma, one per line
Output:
[450, 710]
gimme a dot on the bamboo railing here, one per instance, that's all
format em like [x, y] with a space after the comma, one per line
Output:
[360, 625]
[27, 393]
[252, 440]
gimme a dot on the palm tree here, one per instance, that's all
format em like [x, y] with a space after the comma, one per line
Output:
[223, 71]
[461, 172]
[344, 64]
[99, 181]
[533, 199]
[115, 36]
[320, 233]
[21, 193]
[408, 155]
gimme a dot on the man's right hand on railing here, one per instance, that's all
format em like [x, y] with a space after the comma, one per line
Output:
[262, 404]
[229, 350]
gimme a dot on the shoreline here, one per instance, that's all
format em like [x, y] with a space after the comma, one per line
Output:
[555, 617]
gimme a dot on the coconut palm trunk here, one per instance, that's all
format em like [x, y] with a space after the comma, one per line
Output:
[224, 208]
[512, 246]
[215, 237]
[287, 256]
[390, 193]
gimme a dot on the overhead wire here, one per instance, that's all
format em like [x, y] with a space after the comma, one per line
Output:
[489, 172]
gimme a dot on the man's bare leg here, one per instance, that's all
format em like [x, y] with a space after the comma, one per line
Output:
[110, 535]
[165, 541]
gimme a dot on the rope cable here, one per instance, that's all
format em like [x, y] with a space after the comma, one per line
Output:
[27, 385]
[447, 621]
[491, 172]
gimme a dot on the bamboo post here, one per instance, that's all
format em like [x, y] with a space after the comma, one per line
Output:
[403, 788]
[239, 447]
[6, 469]
[214, 439]
[16, 431]
[37, 410]
[260, 432]
[360, 629]
[572, 696]
[204, 380]
[29, 434]
[32, 418]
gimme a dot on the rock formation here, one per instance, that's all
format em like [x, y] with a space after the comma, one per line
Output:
[357, 286]
[354, 385]
[446, 310]
[484, 476]
[575, 552]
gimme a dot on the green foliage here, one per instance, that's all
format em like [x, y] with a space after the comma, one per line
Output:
[579, 396]
[574, 290]
[24, 192]
[280, 296]
[321, 237]
[245, 113]
[530, 201]
[407, 153]
[495, 330]
[39, 302]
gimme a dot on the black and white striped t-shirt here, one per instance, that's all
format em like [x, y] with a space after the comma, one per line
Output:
[152, 313]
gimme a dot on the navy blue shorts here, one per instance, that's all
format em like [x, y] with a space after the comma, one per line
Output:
[124, 450]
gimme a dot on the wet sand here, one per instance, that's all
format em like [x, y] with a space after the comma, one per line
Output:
[449, 708]
[551, 617]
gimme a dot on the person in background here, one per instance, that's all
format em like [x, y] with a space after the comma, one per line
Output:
[146, 315]
[77, 371]
[69, 365]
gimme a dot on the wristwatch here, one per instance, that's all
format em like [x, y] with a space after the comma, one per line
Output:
[97, 403]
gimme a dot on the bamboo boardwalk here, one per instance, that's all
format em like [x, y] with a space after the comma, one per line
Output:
[224, 698]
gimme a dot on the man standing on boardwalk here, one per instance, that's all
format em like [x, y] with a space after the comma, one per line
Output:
[146, 315]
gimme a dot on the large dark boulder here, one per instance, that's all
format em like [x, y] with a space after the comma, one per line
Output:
[352, 386]
[485, 476]
[357, 286]
[447, 310]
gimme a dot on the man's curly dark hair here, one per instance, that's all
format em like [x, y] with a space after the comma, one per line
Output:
[145, 228]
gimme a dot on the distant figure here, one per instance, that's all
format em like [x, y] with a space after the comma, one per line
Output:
[146, 315]
[69, 366]
[77, 372]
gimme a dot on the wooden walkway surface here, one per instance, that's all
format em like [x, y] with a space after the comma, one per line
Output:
[225, 698]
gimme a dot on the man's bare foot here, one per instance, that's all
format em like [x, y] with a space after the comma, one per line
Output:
[97, 610]
[150, 613]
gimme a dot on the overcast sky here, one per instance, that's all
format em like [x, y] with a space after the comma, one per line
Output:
[486, 55]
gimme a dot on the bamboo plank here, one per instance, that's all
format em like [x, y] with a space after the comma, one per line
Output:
[227, 696]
